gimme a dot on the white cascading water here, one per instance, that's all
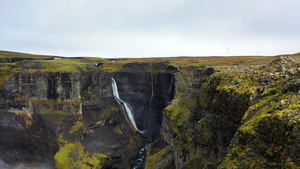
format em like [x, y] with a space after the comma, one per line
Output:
[122, 103]
[151, 83]
[170, 88]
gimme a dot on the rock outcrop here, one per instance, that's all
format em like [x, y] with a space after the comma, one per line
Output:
[80, 111]
[77, 115]
[235, 119]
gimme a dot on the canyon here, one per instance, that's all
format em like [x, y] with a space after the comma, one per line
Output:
[192, 113]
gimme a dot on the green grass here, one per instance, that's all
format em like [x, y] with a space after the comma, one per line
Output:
[202, 61]
[63, 65]
[47, 64]
[66, 64]
[10, 55]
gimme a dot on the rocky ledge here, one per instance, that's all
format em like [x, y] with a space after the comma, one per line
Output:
[239, 118]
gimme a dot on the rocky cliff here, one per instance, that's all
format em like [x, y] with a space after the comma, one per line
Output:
[69, 118]
[242, 118]
[87, 126]
[63, 113]
[147, 94]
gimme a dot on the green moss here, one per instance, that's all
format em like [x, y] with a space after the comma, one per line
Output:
[265, 105]
[106, 114]
[270, 124]
[62, 158]
[235, 83]
[54, 106]
[239, 158]
[290, 164]
[270, 91]
[133, 144]
[72, 155]
[161, 155]
[77, 127]
[229, 163]
[179, 110]
[6, 71]
[195, 162]
[178, 113]
[118, 130]
[204, 128]
[183, 83]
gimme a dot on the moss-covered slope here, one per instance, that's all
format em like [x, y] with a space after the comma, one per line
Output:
[268, 136]
[239, 118]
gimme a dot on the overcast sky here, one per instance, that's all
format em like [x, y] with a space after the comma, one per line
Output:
[134, 28]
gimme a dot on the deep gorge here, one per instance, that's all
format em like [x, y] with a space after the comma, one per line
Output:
[146, 101]
[194, 116]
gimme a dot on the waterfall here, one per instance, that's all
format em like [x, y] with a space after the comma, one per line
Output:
[122, 103]
[170, 88]
[151, 83]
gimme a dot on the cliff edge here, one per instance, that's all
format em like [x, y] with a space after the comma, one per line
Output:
[246, 117]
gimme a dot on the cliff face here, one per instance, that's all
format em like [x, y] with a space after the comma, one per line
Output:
[64, 114]
[243, 118]
[87, 88]
[71, 119]
[147, 95]
[79, 111]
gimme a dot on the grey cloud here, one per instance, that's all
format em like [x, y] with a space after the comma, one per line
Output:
[115, 27]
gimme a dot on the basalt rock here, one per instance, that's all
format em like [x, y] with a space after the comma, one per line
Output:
[78, 117]
[78, 109]
[228, 121]
[147, 95]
